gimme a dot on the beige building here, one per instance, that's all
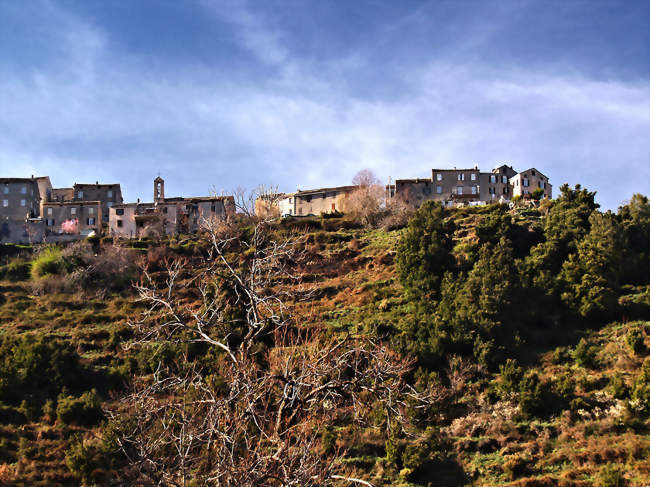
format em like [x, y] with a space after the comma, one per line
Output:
[315, 201]
[526, 182]
[167, 216]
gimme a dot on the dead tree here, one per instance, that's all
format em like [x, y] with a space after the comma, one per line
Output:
[255, 413]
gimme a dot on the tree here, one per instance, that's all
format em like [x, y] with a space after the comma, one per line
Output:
[250, 410]
[424, 252]
[634, 218]
[367, 200]
[590, 276]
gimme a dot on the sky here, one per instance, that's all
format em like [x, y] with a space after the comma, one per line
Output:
[216, 95]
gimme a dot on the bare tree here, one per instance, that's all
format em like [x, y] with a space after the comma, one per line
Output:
[252, 415]
[367, 200]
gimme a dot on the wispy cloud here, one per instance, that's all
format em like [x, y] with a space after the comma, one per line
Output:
[98, 115]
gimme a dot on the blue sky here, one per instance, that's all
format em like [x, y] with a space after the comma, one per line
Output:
[220, 94]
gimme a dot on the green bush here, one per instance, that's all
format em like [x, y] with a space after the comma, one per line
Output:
[585, 355]
[17, 270]
[634, 340]
[532, 398]
[617, 386]
[84, 411]
[610, 476]
[47, 262]
[511, 375]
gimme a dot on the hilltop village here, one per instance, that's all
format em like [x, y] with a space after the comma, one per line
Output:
[32, 210]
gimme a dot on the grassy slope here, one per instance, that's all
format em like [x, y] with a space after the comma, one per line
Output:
[358, 293]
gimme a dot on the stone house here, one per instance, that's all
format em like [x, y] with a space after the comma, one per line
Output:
[21, 200]
[107, 194]
[448, 186]
[167, 216]
[72, 217]
[495, 185]
[526, 182]
[469, 186]
[315, 201]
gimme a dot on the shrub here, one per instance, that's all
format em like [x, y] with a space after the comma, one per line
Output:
[634, 340]
[610, 476]
[83, 411]
[16, 270]
[511, 375]
[47, 262]
[531, 395]
[585, 354]
[86, 460]
[617, 386]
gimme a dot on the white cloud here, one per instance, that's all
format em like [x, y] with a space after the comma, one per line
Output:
[106, 118]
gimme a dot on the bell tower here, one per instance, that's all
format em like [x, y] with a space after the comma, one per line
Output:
[158, 189]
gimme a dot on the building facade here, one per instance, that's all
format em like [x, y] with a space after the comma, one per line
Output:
[526, 182]
[469, 186]
[167, 216]
[315, 201]
[107, 194]
[21, 200]
[72, 218]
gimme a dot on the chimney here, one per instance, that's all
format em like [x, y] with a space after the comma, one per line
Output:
[97, 183]
[32, 176]
[138, 200]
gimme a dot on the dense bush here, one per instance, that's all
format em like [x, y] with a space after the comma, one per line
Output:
[47, 262]
[17, 270]
[37, 368]
[84, 411]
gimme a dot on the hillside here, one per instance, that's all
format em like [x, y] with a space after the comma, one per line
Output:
[528, 327]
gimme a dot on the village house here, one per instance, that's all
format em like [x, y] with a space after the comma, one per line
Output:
[21, 201]
[469, 186]
[72, 218]
[526, 182]
[167, 216]
[315, 201]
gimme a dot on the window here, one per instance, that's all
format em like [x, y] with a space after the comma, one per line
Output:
[543, 186]
[73, 211]
[533, 173]
[49, 222]
[22, 202]
[438, 177]
[5, 203]
[504, 179]
[90, 220]
[290, 211]
[164, 210]
[119, 211]
[91, 211]
[290, 200]
[492, 190]
[459, 190]
[473, 189]
[109, 204]
[80, 195]
[505, 190]
[461, 177]
[526, 183]
[473, 176]
[23, 190]
[307, 199]
[49, 211]
[493, 178]
[6, 189]
[119, 223]
[109, 193]
[439, 189]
